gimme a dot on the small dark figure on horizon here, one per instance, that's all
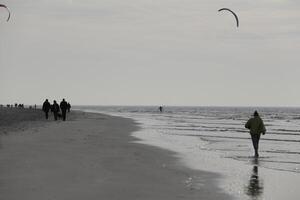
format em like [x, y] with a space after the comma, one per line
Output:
[256, 127]
[63, 107]
[46, 107]
[160, 108]
[55, 109]
[68, 106]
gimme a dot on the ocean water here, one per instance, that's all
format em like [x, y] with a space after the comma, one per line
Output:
[223, 129]
[214, 139]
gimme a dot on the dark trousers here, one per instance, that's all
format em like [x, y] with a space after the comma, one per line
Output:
[55, 115]
[46, 114]
[255, 140]
[64, 113]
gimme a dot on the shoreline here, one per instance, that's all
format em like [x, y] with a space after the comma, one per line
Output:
[94, 156]
[242, 178]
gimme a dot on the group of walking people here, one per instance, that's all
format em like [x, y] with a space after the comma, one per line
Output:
[64, 107]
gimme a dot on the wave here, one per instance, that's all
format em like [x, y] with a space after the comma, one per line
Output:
[219, 129]
[283, 152]
[236, 138]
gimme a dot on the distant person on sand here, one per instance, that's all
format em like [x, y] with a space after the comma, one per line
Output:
[63, 107]
[55, 109]
[68, 106]
[46, 107]
[160, 108]
[256, 127]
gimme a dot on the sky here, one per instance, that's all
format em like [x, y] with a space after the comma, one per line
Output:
[151, 52]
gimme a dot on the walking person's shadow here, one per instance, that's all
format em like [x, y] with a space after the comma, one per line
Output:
[254, 189]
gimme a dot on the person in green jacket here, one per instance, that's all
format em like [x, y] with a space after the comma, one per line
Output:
[256, 127]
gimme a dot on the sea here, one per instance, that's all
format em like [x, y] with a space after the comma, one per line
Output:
[215, 139]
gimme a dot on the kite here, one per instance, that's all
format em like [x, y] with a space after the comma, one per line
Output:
[236, 17]
[4, 6]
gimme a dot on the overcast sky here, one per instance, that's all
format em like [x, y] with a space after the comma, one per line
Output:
[151, 52]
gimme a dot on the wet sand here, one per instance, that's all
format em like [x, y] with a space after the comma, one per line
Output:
[92, 156]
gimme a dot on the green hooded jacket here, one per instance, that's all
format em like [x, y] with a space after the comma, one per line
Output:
[256, 125]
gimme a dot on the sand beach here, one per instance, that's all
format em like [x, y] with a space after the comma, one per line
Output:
[90, 156]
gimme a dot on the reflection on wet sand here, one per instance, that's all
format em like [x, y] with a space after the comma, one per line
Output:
[254, 188]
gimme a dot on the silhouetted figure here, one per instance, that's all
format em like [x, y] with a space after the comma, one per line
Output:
[63, 107]
[256, 127]
[160, 108]
[46, 107]
[68, 106]
[55, 109]
[255, 187]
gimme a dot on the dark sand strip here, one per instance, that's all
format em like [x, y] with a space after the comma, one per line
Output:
[91, 157]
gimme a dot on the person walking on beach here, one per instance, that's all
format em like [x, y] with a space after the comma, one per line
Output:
[63, 107]
[55, 109]
[160, 108]
[256, 127]
[46, 107]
